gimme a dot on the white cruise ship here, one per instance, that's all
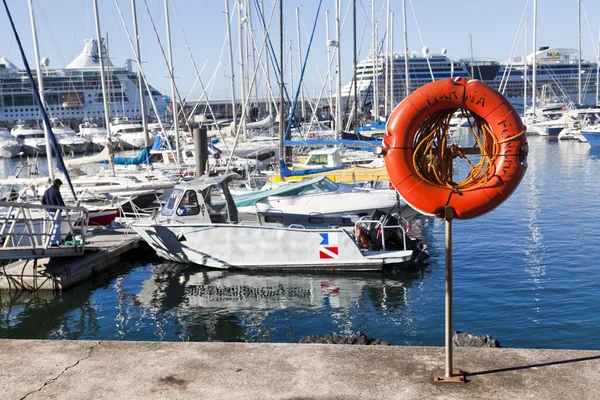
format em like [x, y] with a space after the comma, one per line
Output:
[556, 76]
[74, 92]
[557, 73]
[420, 67]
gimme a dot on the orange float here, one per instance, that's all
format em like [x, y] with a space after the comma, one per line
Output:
[418, 156]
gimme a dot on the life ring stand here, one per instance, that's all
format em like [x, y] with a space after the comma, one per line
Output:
[430, 107]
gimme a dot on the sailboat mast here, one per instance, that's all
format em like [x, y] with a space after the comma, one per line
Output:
[392, 58]
[472, 64]
[267, 63]
[579, 93]
[100, 49]
[525, 74]
[354, 63]
[534, 66]
[173, 98]
[406, 74]
[139, 74]
[386, 59]
[227, 17]
[282, 157]
[40, 80]
[329, 77]
[598, 70]
[375, 74]
[300, 60]
[338, 92]
[241, 21]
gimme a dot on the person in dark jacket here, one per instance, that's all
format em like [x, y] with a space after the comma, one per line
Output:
[52, 197]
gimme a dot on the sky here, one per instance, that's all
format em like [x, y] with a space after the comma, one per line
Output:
[494, 26]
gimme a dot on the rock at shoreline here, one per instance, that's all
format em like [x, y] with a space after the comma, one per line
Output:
[355, 338]
[465, 339]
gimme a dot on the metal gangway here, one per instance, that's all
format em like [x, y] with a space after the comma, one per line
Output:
[28, 230]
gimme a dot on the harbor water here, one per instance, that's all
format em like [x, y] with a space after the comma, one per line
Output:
[526, 273]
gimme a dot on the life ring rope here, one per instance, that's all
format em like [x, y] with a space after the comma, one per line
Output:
[433, 156]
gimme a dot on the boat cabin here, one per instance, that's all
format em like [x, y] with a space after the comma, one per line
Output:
[201, 202]
[324, 158]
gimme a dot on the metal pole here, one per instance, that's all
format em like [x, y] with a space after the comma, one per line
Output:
[534, 54]
[386, 58]
[525, 74]
[300, 60]
[241, 21]
[406, 74]
[579, 94]
[374, 75]
[233, 112]
[354, 61]
[449, 214]
[449, 374]
[174, 99]
[338, 91]
[329, 77]
[140, 77]
[103, 82]
[281, 116]
[472, 66]
[40, 80]
[392, 60]
[598, 69]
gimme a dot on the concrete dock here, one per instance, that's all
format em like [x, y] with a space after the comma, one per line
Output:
[104, 249]
[161, 370]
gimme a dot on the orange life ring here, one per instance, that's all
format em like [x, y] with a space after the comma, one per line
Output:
[312, 135]
[507, 129]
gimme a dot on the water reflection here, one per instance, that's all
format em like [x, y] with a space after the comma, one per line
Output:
[168, 301]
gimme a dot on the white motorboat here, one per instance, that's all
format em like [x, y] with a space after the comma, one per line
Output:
[93, 133]
[32, 138]
[129, 134]
[67, 138]
[321, 202]
[193, 229]
[9, 147]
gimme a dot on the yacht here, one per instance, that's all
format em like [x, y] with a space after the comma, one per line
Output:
[9, 147]
[129, 133]
[67, 138]
[73, 92]
[31, 137]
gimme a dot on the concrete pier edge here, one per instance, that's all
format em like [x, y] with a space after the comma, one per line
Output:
[38, 369]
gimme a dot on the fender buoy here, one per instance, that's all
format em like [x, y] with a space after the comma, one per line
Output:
[312, 135]
[412, 149]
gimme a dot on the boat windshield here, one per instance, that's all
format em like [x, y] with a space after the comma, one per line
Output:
[169, 207]
[322, 186]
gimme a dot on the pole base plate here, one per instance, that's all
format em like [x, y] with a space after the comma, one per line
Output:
[457, 376]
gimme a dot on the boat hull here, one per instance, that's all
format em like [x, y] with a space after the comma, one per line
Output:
[229, 246]
[592, 137]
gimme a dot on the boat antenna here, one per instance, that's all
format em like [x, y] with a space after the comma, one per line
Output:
[59, 161]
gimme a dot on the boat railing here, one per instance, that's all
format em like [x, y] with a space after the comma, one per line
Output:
[129, 212]
[36, 231]
[296, 226]
[378, 224]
